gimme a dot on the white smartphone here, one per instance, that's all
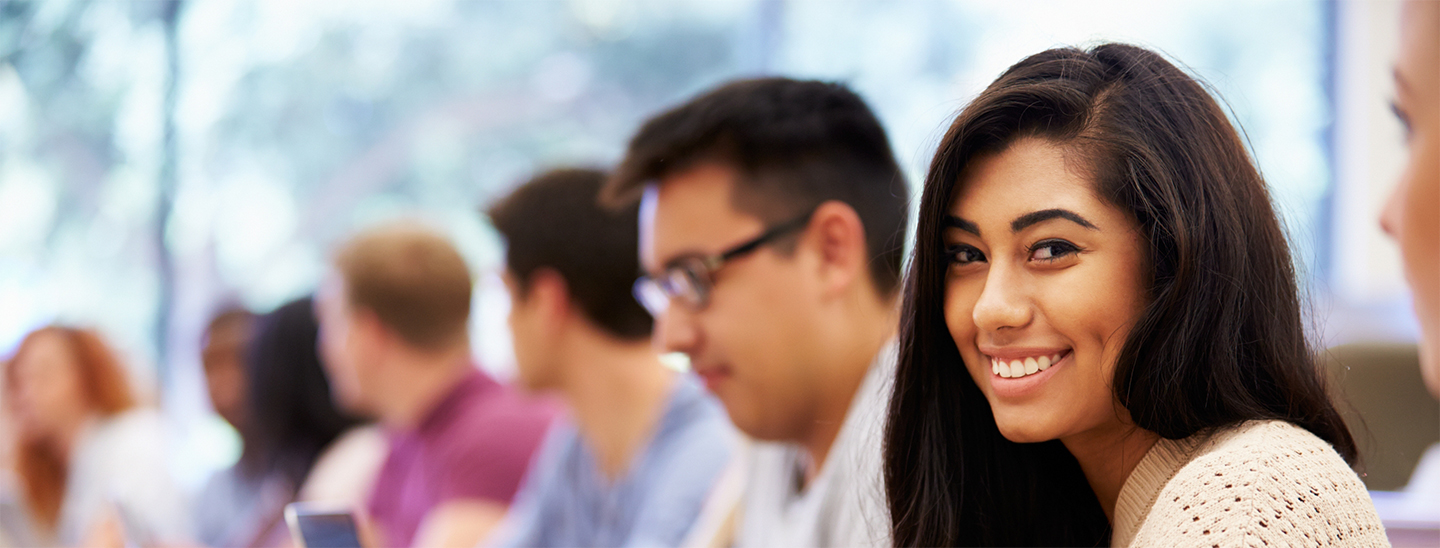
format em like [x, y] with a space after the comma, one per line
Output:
[322, 526]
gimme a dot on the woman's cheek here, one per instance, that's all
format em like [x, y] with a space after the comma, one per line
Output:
[959, 313]
[958, 320]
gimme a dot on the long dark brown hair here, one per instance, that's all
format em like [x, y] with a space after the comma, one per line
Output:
[1221, 340]
[294, 418]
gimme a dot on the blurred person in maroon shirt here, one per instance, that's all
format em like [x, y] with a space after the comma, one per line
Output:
[393, 314]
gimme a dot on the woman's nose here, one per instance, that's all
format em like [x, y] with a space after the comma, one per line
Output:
[1003, 303]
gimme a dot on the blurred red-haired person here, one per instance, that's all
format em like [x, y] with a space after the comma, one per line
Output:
[89, 461]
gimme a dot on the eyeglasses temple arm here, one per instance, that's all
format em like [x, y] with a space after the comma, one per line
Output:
[760, 240]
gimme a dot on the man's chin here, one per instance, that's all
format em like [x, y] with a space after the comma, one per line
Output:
[350, 402]
[752, 424]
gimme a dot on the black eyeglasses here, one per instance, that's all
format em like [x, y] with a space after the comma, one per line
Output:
[690, 279]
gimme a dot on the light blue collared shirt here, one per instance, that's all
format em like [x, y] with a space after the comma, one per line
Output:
[566, 500]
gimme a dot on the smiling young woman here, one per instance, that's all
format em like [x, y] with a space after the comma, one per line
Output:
[1101, 337]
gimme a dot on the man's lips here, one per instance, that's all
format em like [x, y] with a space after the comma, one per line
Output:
[712, 374]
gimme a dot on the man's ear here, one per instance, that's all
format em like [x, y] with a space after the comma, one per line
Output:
[512, 286]
[371, 333]
[838, 239]
[550, 296]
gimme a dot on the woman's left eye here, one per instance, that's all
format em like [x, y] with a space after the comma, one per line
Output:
[1050, 250]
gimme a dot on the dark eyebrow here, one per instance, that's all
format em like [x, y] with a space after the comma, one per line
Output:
[952, 221]
[1024, 221]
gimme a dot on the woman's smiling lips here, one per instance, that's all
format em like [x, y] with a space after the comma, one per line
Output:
[1017, 371]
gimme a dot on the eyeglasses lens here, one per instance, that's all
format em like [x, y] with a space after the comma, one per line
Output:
[650, 295]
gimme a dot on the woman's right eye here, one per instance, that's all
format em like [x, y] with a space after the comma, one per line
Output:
[964, 254]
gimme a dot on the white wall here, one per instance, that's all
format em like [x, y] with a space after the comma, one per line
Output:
[1367, 297]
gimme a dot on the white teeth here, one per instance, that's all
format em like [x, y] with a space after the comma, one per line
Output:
[1025, 367]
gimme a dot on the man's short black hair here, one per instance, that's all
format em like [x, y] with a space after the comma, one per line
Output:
[794, 145]
[556, 221]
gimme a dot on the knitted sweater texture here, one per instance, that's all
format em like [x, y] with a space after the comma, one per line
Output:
[1262, 483]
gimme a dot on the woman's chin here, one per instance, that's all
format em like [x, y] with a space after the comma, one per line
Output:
[1022, 431]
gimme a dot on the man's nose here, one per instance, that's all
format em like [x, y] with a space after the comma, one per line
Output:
[676, 330]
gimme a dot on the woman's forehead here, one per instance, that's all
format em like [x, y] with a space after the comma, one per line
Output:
[1028, 176]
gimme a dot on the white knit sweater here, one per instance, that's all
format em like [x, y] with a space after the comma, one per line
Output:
[1263, 483]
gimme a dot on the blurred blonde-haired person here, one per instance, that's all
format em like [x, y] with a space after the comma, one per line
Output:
[393, 313]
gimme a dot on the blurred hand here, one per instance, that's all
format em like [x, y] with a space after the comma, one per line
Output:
[460, 523]
[106, 532]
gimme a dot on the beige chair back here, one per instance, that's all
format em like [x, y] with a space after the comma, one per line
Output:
[1392, 416]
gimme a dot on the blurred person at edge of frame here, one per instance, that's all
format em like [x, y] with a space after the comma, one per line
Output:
[1412, 214]
[89, 460]
[300, 447]
[634, 461]
[15, 528]
[394, 310]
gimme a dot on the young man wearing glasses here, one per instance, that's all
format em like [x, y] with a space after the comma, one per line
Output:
[772, 222]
